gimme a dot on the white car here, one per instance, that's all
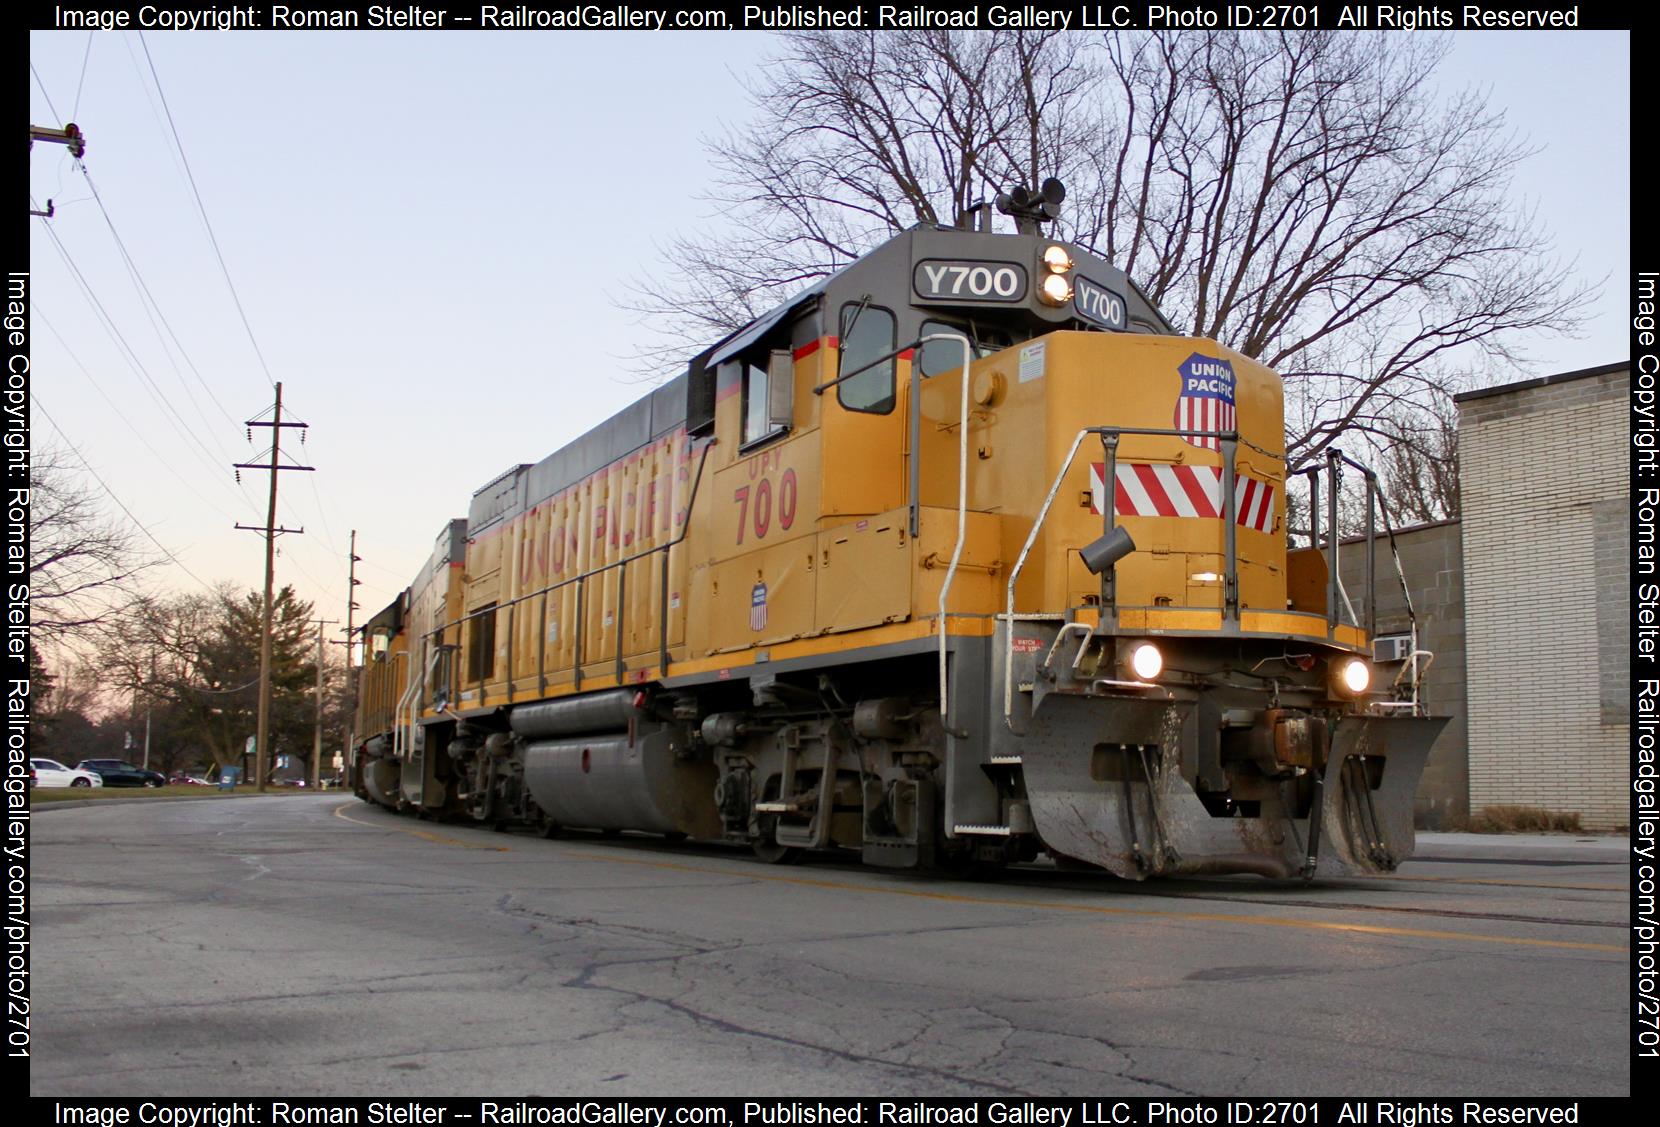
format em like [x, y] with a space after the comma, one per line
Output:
[51, 773]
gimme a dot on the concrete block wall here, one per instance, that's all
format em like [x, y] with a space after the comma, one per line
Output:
[1545, 489]
[1430, 561]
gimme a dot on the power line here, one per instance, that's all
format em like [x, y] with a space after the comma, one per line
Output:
[294, 562]
[150, 100]
[144, 286]
[41, 407]
[147, 303]
[43, 92]
[149, 296]
[238, 689]
[79, 85]
[328, 534]
[393, 572]
[166, 462]
[202, 209]
[130, 354]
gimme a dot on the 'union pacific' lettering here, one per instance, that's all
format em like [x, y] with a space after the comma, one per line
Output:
[1219, 387]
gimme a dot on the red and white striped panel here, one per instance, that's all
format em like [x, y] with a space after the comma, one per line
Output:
[1182, 491]
[1205, 413]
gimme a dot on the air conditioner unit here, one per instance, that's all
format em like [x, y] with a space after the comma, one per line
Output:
[1392, 647]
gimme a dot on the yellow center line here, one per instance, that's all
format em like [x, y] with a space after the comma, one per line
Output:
[424, 835]
[585, 854]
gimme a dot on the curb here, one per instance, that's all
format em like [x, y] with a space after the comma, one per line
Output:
[83, 803]
[1580, 848]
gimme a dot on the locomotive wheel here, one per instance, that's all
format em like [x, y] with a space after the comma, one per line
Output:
[965, 865]
[773, 853]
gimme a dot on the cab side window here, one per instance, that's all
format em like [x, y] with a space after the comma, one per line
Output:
[866, 333]
[765, 373]
[756, 425]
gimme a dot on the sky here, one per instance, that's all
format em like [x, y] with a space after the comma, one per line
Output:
[428, 239]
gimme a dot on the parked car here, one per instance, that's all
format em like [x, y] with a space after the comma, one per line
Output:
[51, 773]
[115, 773]
[183, 780]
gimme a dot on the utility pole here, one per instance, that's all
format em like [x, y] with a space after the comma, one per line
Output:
[271, 531]
[317, 739]
[149, 707]
[352, 583]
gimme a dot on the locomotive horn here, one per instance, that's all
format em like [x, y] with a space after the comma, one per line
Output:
[1053, 193]
[1029, 208]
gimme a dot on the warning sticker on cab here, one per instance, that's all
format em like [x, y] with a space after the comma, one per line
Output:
[1031, 361]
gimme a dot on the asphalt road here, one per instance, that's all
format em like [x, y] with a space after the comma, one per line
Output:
[314, 945]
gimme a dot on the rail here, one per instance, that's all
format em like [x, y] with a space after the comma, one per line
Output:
[486, 671]
[1376, 506]
[405, 748]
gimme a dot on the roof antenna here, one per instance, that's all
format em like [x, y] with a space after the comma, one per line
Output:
[976, 217]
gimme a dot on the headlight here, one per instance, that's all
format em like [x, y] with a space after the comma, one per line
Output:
[1351, 676]
[1055, 289]
[1145, 661]
[1056, 260]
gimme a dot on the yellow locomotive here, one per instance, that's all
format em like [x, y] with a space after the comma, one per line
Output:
[961, 555]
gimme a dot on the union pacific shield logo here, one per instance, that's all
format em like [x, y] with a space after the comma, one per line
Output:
[1206, 399]
[758, 606]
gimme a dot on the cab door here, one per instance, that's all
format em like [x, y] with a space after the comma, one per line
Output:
[862, 419]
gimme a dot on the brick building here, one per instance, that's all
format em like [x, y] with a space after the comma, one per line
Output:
[1545, 493]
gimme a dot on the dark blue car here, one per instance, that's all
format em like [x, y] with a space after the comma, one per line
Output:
[115, 773]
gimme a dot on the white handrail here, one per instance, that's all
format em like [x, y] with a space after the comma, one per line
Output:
[1031, 538]
[403, 703]
[411, 700]
[962, 492]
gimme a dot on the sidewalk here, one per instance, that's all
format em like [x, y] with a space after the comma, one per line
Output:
[1587, 848]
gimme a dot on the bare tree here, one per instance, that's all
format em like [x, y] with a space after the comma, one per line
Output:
[1420, 467]
[195, 660]
[856, 137]
[1309, 199]
[82, 561]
